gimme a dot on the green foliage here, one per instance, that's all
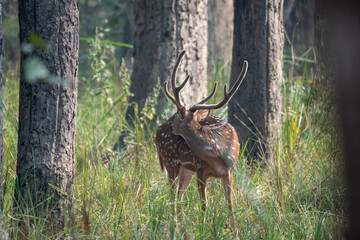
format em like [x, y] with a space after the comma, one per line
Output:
[124, 195]
[149, 109]
[119, 44]
[34, 70]
[101, 78]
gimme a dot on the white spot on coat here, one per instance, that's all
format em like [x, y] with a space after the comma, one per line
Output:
[208, 148]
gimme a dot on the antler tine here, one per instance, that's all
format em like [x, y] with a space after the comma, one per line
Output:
[168, 94]
[173, 74]
[227, 95]
[210, 96]
[176, 90]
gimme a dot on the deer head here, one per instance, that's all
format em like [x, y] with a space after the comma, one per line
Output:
[209, 141]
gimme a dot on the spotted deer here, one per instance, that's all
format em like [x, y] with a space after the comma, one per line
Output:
[194, 142]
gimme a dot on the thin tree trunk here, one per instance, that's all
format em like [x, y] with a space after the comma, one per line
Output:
[258, 38]
[162, 30]
[47, 107]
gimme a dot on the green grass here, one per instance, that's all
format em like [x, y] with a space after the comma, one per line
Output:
[127, 195]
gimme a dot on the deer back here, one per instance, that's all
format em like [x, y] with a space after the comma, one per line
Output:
[212, 139]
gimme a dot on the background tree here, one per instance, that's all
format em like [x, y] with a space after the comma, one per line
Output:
[162, 30]
[49, 33]
[221, 19]
[337, 38]
[346, 40]
[258, 38]
[299, 23]
[127, 36]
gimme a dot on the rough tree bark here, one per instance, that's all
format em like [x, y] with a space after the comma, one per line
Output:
[47, 111]
[221, 19]
[258, 38]
[162, 30]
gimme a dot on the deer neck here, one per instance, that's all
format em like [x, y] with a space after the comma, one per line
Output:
[191, 131]
[196, 139]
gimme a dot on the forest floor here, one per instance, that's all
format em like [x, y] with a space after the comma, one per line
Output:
[126, 195]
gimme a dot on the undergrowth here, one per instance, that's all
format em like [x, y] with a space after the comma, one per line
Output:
[124, 195]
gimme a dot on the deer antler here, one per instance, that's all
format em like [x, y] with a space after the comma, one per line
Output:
[176, 90]
[210, 96]
[227, 95]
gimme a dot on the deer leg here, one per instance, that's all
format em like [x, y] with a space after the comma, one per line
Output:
[185, 176]
[227, 182]
[173, 173]
[201, 181]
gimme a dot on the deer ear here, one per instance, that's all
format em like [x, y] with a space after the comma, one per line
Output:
[182, 112]
[201, 114]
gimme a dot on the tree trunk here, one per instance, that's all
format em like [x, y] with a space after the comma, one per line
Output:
[258, 38]
[192, 35]
[162, 30]
[47, 107]
[306, 19]
[221, 20]
[127, 34]
[339, 44]
[299, 23]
